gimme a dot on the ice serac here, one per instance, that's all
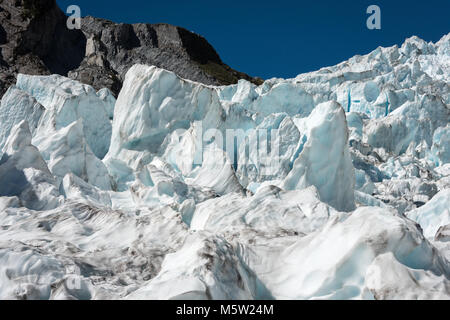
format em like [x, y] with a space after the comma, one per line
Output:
[260, 165]
[410, 125]
[324, 161]
[17, 105]
[440, 150]
[166, 107]
[67, 101]
[152, 104]
[24, 173]
[66, 151]
[434, 214]
[216, 172]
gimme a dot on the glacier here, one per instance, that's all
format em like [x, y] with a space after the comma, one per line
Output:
[332, 185]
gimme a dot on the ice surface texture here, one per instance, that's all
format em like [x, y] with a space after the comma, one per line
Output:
[331, 185]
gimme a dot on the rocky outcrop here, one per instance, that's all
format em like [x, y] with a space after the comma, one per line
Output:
[34, 39]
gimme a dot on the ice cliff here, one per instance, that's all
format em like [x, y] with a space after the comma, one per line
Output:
[331, 185]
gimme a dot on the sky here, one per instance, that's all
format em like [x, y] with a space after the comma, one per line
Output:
[283, 38]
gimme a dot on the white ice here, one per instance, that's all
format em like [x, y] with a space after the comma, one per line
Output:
[166, 192]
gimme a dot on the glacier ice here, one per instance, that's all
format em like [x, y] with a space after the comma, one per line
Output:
[331, 185]
[335, 261]
[110, 101]
[434, 214]
[388, 279]
[24, 173]
[271, 209]
[66, 151]
[325, 160]
[16, 106]
[440, 150]
[206, 267]
[66, 101]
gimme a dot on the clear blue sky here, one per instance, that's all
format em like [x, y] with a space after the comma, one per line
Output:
[282, 38]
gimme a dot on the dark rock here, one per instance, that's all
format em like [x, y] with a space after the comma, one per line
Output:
[443, 234]
[3, 38]
[37, 40]
[34, 39]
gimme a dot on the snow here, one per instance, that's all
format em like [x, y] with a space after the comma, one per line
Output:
[331, 185]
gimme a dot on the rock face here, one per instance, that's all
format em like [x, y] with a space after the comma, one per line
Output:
[112, 49]
[34, 39]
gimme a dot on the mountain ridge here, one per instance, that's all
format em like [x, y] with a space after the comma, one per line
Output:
[34, 40]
